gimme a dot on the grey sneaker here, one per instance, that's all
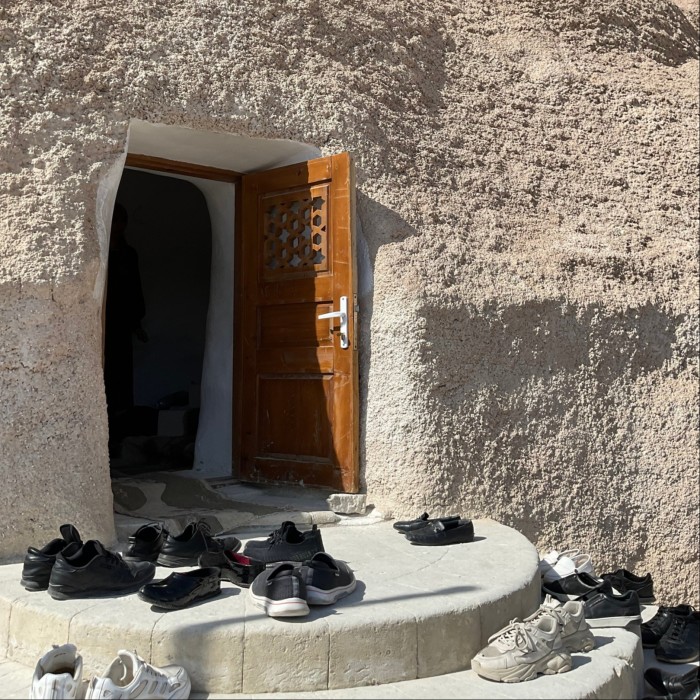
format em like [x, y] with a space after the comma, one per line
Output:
[522, 650]
[576, 634]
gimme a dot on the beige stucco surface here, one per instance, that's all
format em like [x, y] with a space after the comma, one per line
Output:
[528, 195]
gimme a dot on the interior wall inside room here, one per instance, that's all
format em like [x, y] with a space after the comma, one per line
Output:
[170, 229]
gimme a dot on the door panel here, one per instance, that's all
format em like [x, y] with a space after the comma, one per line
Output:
[299, 410]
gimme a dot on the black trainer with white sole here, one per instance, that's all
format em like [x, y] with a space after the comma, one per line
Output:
[327, 579]
[605, 609]
[280, 591]
[574, 586]
[89, 570]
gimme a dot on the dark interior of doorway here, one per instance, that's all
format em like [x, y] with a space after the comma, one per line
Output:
[155, 322]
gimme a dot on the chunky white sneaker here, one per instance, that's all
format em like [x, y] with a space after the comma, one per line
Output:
[129, 676]
[576, 633]
[555, 565]
[58, 674]
[522, 650]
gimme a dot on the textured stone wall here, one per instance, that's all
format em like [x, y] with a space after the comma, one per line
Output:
[528, 192]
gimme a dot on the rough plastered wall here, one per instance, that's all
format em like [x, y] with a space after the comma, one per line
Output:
[527, 187]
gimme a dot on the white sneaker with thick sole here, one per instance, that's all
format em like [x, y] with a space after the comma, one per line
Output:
[58, 674]
[129, 676]
[555, 565]
[575, 631]
[522, 650]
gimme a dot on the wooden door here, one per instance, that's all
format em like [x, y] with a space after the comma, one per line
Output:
[298, 414]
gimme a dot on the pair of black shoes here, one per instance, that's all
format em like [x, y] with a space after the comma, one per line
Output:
[684, 686]
[452, 529]
[674, 634]
[69, 568]
[180, 590]
[152, 542]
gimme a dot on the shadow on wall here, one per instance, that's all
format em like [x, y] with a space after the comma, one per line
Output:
[532, 400]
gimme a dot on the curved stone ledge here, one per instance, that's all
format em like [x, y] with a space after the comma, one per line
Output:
[417, 612]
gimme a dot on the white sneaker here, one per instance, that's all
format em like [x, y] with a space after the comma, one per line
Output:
[58, 674]
[576, 633]
[522, 650]
[129, 676]
[555, 565]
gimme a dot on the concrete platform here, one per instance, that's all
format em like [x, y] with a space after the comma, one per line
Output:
[410, 629]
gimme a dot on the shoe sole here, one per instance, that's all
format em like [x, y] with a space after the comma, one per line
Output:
[440, 544]
[32, 585]
[582, 641]
[621, 621]
[58, 594]
[556, 662]
[174, 606]
[317, 596]
[290, 607]
[686, 660]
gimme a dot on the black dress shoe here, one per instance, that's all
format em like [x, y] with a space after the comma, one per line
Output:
[442, 532]
[84, 571]
[233, 567]
[38, 563]
[623, 581]
[146, 542]
[681, 641]
[653, 630]
[182, 589]
[287, 543]
[410, 525]
[186, 548]
[685, 685]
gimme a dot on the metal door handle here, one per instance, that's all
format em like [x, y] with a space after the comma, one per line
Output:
[343, 316]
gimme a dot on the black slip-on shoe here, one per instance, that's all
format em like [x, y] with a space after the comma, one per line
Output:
[196, 539]
[38, 563]
[326, 579]
[575, 586]
[404, 526]
[623, 581]
[654, 629]
[280, 591]
[442, 532]
[603, 608]
[182, 589]
[672, 684]
[145, 544]
[287, 543]
[681, 641]
[233, 567]
[88, 570]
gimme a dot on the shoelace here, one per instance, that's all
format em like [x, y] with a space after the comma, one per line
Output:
[676, 629]
[514, 635]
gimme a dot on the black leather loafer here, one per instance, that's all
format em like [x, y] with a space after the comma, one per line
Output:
[38, 563]
[182, 589]
[145, 544]
[410, 525]
[674, 685]
[236, 568]
[442, 532]
[186, 548]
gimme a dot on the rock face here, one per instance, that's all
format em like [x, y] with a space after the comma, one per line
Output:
[528, 197]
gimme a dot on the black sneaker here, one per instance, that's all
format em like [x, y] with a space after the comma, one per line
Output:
[84, 571]
[236, 568]
[623, 581]
[286, 544]
[145, 543]
[39, 562]
[442, 532]
[280, 591]
[674, 685]
[603, 608]
[404, 526]
[196, 539]
[326, 579]
[575, 586]
[681, 641]
[653, 630]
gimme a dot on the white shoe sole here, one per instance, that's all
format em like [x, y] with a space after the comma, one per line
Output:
[317, 596]
[289, 607]
[557, 662]
[622, 621]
